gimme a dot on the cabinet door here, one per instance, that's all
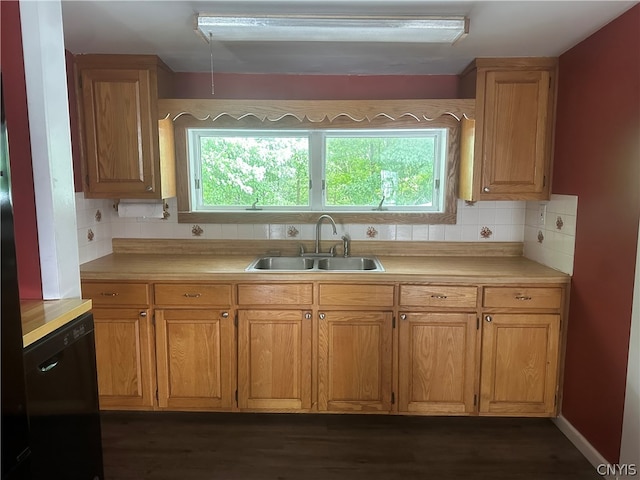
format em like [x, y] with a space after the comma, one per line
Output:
[519, 364]
[274, 359]
[118, 132]
[124, 358]
[516, 147]
[437, 353]
[196, 359]
[354, 361]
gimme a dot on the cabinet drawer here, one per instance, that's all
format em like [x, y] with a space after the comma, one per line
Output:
[438, 296]
[192, 294]
[275, 294]
[357, 295]
[116, 294]
[528, 297]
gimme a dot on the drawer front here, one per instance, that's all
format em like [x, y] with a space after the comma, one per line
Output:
[275, 294]
[116, 294]
[529, 297]
[192, 294]
[356, 295]
[438, 296]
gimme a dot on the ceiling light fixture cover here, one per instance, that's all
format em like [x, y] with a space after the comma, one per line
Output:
[332, 28]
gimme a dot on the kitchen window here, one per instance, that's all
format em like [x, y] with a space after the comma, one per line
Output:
[364, 170]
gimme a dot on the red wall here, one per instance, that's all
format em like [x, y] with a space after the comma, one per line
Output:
[597, 157]
[15, 98]
[315, 87]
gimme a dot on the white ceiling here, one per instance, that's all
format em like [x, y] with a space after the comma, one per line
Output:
[497, 28]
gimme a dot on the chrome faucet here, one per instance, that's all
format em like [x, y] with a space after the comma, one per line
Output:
[318, 224]
[346, 245]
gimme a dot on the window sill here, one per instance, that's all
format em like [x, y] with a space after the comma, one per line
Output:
[248, 217]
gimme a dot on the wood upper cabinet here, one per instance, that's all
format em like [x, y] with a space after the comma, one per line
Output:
[355, 361]
[519, 371]
[274, 359]
[437, 359]
[125, 354]
[506, 151]
[195, 359]
[127, 152]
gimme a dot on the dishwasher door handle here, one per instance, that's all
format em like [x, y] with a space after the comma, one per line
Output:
[50, 364]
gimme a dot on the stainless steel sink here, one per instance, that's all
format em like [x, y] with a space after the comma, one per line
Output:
[307, 264]
[350, 263]
[281, 263]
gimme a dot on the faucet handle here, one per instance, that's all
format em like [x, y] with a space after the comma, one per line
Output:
[301, 249]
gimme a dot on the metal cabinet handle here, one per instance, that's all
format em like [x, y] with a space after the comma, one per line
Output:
[192, 295]
[523, 297]
[441, 297]
[225, 315]
[143, 314]
[322, 316]
[488, 318]
[403, 316]
[149, 188]
[307, 316]
[109, 294]
[486, 189]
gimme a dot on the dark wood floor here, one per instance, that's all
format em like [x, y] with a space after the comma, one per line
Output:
[198, 446]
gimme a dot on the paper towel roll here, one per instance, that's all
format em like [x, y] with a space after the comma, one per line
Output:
[140, 209]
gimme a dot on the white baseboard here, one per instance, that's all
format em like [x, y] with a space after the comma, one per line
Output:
[582, 444]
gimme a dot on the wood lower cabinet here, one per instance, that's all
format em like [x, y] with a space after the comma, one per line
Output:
[437, 359]
[195, 351]
[125, 354]
[274, 359]
[355, 361]
[124, 358]
[519, 371]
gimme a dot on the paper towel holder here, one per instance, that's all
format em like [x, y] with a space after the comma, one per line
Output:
[165, 208]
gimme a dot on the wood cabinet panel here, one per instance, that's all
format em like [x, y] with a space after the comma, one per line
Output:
[506, 152]
[195, 356]
[438, 296]
[519, 368]
[274, 359]
[523, 297]
[275, 294]
[192, 294]
[121, 140]
[356, 295]
[124, 358]
[355, 361]
[105, 294]
[437, 363]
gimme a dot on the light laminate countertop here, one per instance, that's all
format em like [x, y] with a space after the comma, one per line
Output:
[41, 317]
[202, 267]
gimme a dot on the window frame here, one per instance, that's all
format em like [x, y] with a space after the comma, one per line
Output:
[451, 168]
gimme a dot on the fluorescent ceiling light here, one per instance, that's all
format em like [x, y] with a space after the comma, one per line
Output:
[333, 28]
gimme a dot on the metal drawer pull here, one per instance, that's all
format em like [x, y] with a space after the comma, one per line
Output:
[109, 294]
[439, 296]
[522, 297]
[192, 295]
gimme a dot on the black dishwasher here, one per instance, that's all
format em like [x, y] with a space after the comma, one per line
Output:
[62, 400]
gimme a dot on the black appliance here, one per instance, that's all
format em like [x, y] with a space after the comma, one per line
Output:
[15, 428]
[62, 399]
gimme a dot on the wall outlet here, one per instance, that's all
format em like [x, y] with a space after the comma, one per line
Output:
[542, 213]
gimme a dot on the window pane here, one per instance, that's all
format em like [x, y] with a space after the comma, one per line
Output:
[360, 170]
[239, 170]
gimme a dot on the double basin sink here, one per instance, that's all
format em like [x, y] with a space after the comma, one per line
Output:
[305, 264]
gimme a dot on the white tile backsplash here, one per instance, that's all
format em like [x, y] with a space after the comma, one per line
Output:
[557, 248]
[506, 220]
